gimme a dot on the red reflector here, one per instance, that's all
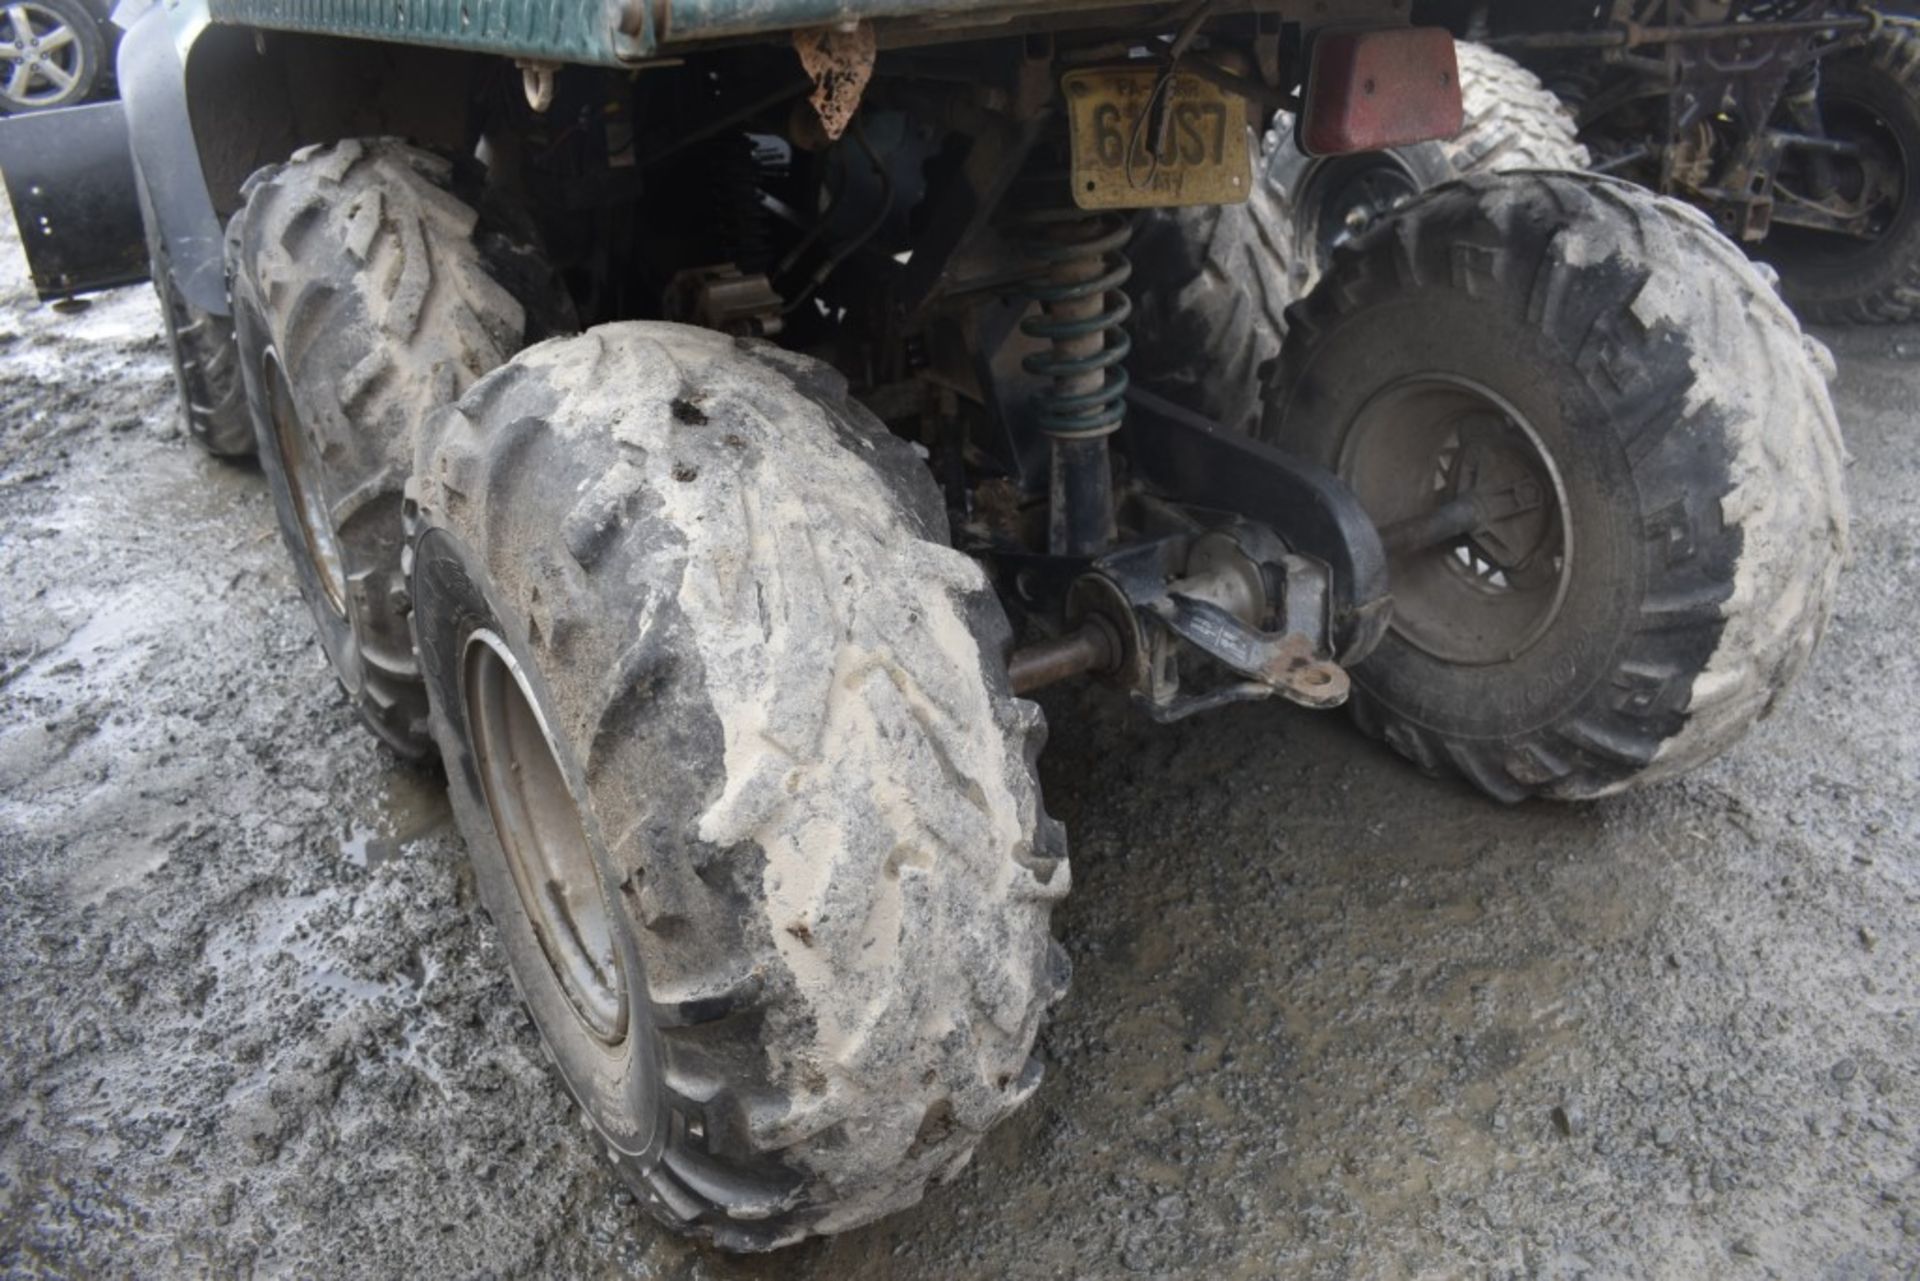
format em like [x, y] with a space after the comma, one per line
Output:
[1368, 90]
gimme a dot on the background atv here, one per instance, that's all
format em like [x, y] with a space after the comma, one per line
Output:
[1794, 123]
[666, 430]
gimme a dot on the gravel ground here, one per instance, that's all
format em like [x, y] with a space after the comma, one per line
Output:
[1330, 1019]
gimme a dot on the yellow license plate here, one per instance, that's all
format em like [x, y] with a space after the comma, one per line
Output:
[1194, 151]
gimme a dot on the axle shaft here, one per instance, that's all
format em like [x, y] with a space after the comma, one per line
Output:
[1091, 649]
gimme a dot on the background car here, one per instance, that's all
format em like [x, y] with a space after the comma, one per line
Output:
[55, 53]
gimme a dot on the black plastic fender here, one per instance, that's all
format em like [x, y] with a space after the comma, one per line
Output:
[153, 85]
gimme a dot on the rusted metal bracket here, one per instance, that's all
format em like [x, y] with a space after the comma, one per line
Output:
[1232, 593]
[1285, 662]
[1633, 35]
[725, 298]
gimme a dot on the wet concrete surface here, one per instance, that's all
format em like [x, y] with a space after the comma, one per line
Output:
[1329, 1019]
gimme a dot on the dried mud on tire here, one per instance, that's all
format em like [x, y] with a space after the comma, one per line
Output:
[712, 567]
[1698, 451]
[1512, 120]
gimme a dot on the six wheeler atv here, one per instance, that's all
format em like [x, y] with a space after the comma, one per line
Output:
[1794, 123]
[666, 431]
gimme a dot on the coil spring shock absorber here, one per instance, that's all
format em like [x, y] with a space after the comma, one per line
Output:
[1082, 310]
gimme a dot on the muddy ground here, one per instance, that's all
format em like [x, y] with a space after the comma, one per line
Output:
[1329, 1019]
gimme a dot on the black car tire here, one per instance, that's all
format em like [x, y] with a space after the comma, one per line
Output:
[35, 77]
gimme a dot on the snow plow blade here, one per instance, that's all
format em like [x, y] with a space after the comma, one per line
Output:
[70, 177]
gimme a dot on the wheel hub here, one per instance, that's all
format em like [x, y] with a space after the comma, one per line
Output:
[1490, 465]
[1472, 508]
[44, 57]
[541, 833]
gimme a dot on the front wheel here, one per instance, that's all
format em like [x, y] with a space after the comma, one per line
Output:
[206, 357]
[1604, 461]
[372, 282]
[728, 733]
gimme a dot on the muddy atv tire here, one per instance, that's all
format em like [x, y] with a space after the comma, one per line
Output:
[1868, 96]
[206, 361]
[1512, 120]
[728, 732]
[1603, 457]
[370, 286]
[1212, 283]
[1211, 286]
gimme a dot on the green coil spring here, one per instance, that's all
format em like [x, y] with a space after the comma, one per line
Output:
[1080, 298]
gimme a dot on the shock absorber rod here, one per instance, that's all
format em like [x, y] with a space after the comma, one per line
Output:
[1080, 504]
[1082, 310]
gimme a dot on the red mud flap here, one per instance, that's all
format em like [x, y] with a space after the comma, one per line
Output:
[1370, 90]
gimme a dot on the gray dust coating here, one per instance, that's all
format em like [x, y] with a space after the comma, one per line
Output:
[1329, 1019]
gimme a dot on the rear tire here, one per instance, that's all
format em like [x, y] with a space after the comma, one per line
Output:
[781, 785]
[1575, 343]
[1211, 286]
[1212, 283]
[1512, 120]
[369, 287]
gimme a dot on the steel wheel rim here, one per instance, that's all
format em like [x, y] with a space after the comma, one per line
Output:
[309, 503]
[1487, 596]
[538, 825]
[30, 36]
